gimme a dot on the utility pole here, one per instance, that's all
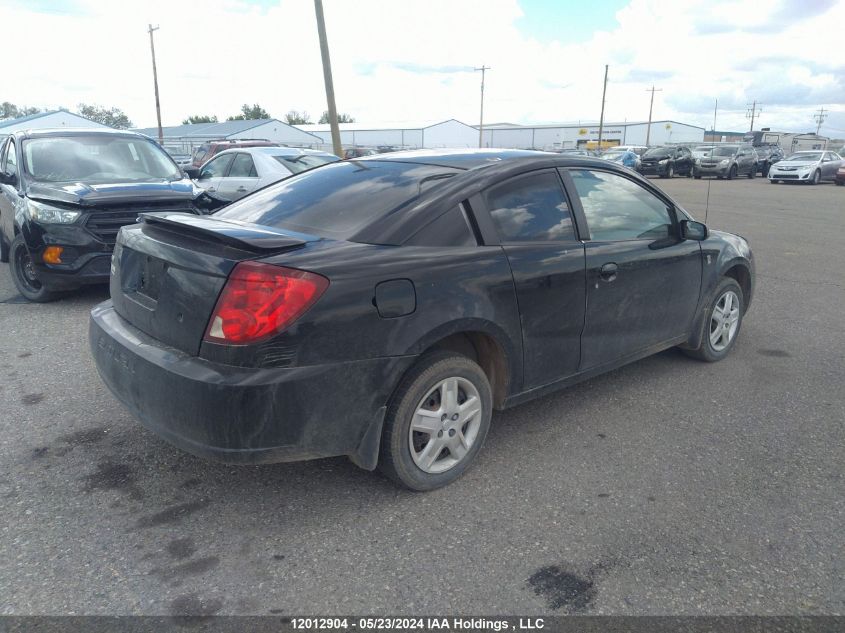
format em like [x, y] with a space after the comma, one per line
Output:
[652, 90]
[327, 77]
[483, 70]
[155, 83]
[753, 112]
[820, 116]
[603, 93]
[715, 109]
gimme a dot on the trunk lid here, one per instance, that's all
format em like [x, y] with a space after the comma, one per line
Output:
[168, 271]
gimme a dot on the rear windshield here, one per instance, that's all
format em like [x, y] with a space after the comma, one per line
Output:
[302, 162]
[97, 159]
[339, 199]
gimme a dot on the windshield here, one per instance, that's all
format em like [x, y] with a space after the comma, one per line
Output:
[305, 161]
[702, 150]
[810, 157]
[97, 159]
[657, 151]
[338, 199]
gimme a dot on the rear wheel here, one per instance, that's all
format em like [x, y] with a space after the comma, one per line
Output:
[436, 422]
[24, 275]
[722, 324]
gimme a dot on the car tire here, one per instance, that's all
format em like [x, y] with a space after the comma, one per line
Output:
[670, 172]
[418, 458]
[764, 170]
[698, 176]
[752, 172]
[774, 182]
[816, 179]
[720, 332]
[838, 183]
[732, 172]
[23, 274]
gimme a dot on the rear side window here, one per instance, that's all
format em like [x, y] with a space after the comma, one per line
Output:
[243, 167]
[450, 229]
[11, 166]
[530, 208]
[338, 199]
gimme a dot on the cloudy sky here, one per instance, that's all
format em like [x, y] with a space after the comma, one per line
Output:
[411, 60]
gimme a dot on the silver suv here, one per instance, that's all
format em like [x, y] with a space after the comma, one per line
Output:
[726, 161]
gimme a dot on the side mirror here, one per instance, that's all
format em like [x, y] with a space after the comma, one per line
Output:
[692, 230]
[191, 171]
[8, 179]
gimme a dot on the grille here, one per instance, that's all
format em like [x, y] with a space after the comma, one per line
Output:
[106, 224]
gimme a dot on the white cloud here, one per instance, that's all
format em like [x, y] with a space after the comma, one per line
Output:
[411, 60]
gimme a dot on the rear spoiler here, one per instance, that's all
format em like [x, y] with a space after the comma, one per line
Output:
[230, 232]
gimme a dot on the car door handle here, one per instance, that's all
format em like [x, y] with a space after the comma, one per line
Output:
[212, 189]
[608, 272]
[241, 189]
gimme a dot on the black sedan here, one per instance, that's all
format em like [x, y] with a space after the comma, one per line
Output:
[381, 308]
[666, 161]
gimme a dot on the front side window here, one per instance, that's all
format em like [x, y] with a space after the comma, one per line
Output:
[530, 208]
[619, 209]
[243, 167]
[216, 167]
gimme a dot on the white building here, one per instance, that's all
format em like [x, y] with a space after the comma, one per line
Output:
[44, 120]
[184, 138]
[451, 133]
[572, 135]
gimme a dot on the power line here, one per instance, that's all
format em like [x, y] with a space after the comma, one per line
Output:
[754, 111]
[483, 70]
[819, 117]
[652, 90]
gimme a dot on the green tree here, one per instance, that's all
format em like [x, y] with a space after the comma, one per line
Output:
[250, 112]
[11, 111]
[342, 117]
[297, 118]
[200, 118]
[113, 117]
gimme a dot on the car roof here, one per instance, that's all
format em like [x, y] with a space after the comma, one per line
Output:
[458, 158]
[274, 151]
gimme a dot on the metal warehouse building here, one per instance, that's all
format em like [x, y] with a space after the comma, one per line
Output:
[573, 135]
[47, 120]
[184, 138]
[451, 133]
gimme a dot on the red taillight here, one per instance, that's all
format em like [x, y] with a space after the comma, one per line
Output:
[260, 300]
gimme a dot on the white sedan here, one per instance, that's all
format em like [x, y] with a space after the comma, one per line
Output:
[809, 167]
[236, 172]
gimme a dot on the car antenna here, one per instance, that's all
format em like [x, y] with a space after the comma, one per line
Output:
[707, 204]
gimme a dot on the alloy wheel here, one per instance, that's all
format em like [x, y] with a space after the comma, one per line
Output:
[445, 425]
[724, 321]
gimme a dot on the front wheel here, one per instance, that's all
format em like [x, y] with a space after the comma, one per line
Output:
[732, 172]
[817, 177]
[24, 275]
[670, 171]
[436, 422]
[764, 170]
[722, 323]
[4, 248]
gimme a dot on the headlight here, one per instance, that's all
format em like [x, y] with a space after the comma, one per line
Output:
[724, 162]
[664, 161]
[46, 214]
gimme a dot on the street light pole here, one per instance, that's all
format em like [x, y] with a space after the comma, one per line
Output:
[483, 70]
[327, 77]
[155, 83]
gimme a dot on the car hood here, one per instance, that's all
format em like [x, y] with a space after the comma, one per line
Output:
[78, 193]
[795, 163]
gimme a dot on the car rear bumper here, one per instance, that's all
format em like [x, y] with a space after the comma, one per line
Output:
[244, 415]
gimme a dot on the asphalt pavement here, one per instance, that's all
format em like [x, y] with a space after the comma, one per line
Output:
[669, 486]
